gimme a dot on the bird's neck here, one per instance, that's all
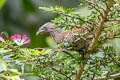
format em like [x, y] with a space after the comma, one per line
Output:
[55, 34]
[55, 31]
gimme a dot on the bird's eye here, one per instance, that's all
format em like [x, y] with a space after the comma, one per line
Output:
[43, 28]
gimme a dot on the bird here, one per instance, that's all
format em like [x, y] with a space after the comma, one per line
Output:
[65, 36]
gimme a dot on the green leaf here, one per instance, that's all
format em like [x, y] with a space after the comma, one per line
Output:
[3, 66]
[14, 72]
[113, 27]
[2, 2]
[2, 50]
[118, 1]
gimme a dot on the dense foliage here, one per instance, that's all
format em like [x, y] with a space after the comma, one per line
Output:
[101, 60]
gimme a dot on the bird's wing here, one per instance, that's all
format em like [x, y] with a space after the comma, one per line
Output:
[64, 37]
[68, 36]
[79, 30]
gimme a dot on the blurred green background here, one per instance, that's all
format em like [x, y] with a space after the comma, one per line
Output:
[25, 17]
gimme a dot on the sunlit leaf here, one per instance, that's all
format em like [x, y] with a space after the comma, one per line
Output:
[115, 27]
[3, 66]
[2, 2]
[2, 50]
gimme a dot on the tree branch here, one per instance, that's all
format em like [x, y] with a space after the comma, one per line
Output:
[100, 28]
[61, 73]
[108, 77]
[113, 20]
[80, 71]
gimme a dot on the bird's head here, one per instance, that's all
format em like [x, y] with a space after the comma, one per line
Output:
[46, 28]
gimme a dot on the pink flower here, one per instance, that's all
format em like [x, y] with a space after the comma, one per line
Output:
[20, 40]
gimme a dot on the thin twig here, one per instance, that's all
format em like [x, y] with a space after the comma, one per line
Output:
[4, 78]
[113, 59]
[95, 6]
[108, 38]
[65, 51]
[61, 73]
[110, 77]
[29, 60]
[93, 75]
[75, 17]
[113, 20]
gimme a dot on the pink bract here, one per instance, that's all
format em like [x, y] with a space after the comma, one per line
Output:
[20, 40]
[15, 36]
[26, 38]
[18, 36]
[28, 41]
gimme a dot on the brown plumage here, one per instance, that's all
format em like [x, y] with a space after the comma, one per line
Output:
[66, 36]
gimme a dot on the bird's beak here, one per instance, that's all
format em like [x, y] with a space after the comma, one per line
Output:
[39, 31]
